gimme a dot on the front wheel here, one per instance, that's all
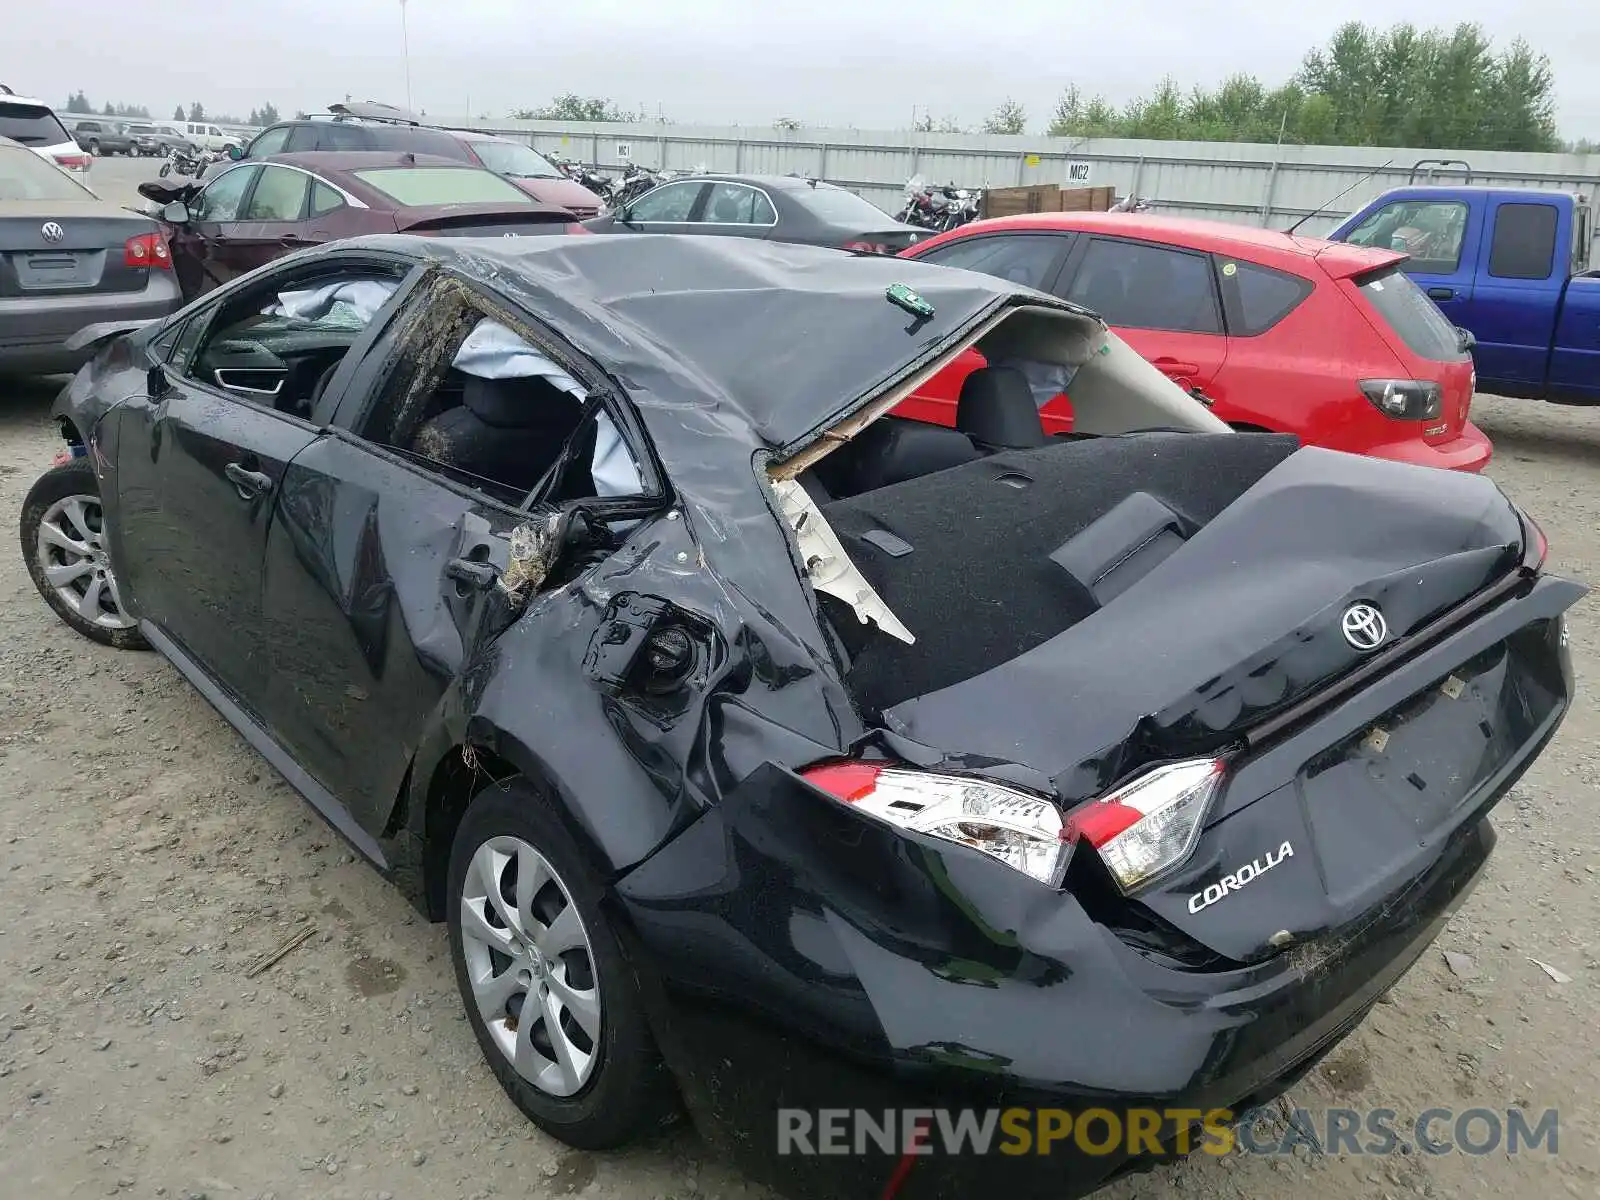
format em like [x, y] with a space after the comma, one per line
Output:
[63, 544]
[166, 168]
[555, 1008]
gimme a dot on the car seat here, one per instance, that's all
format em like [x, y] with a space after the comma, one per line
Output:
[506, 430]
[997, 410]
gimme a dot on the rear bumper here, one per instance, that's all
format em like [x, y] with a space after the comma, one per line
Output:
[797, 956]
[1471, 451]
[1076, 1021]
[33, 329]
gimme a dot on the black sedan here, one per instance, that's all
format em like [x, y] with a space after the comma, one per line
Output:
[767, 753]
[778, 208]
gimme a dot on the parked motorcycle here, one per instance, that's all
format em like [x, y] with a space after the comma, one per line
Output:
[188, 162]
[938, 207]
[635, 182]
[600, 185]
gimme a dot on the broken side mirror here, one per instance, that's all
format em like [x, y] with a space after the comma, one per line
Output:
[175, 212]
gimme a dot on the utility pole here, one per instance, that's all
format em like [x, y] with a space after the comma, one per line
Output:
[405, 50]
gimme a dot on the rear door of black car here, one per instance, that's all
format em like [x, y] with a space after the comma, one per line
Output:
[382, 567]
[198, 464]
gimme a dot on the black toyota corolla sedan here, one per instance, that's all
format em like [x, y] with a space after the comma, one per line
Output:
[768, 753]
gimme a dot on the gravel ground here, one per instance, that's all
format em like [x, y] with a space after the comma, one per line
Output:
[147, 856]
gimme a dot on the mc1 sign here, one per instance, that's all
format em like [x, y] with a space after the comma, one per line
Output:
[1078, 173]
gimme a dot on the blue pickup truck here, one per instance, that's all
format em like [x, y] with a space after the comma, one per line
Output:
[1511, 266]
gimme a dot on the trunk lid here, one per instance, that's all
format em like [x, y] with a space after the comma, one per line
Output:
[481, 220]
[68, 247]
[1241, 621]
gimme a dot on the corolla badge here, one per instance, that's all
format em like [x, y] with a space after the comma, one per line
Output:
[1363, 626]
[51, 231]
[1249, 873]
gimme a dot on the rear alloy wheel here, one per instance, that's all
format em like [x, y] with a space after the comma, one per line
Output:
[553, 1004]
[63, 544]
[94, 147]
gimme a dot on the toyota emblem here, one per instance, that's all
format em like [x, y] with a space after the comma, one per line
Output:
[52, 231]
[1363, 626]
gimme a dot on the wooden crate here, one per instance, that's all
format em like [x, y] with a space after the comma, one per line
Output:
[1012, 201]
[1045, 197]
[1089, 199]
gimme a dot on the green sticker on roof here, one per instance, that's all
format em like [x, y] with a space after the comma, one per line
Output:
[899, 294]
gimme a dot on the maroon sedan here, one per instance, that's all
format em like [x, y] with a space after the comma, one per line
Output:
[261, 209]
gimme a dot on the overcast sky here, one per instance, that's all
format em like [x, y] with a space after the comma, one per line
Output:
[826, 62]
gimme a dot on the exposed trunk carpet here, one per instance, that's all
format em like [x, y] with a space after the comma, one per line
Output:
[977, 586]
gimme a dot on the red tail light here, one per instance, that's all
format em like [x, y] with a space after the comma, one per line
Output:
[147, 250]
[74, 162]
[867, 247]
[1536, 547]
[577, 228]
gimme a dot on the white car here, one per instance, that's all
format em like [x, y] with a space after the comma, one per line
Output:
[35, 125]
[209, 137]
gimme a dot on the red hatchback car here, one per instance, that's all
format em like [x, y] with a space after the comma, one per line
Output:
[1328, 341]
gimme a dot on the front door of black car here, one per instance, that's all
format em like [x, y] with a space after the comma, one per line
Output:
[199, 462]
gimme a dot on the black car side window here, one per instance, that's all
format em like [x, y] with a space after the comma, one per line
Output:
[302, 137]
[324, 198]
[492, 408]
[278, 343]
[671, 202]
[1025, 258]
[1140, 286]
[1259, 297]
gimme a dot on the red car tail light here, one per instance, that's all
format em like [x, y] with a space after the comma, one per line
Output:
[74, 162]
[1148, 826]
[577, 228]
[1404, 399]
[1020, 829]
[867, 247]
[147, 250]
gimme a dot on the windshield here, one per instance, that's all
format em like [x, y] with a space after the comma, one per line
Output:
[839, 207]
[514, 159]
[418, 186]
[141, 128]
[31, 124]
[26, 176]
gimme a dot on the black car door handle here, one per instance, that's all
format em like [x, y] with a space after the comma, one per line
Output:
[250, 483]
[1441, 293]
[472, 572]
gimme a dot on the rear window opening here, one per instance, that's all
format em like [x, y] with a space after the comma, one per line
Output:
[979, 543]
[31, 124]
[1403, 308]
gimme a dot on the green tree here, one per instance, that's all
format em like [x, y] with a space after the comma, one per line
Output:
[110, 110]
[1396, 87]
[177, 114]
[927, 124]
[79, 103]
[269, 113]
[1008, 117]
[197, 111]
[573, 107]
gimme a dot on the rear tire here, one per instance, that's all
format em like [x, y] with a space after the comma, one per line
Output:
[94, 147]
[520, 963]
[63, 546]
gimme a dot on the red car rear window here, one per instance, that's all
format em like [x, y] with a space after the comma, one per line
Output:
[1259, 297]
[1404, 308]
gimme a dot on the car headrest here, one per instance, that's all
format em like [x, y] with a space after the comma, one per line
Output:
[997, 409]
[515, 403]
